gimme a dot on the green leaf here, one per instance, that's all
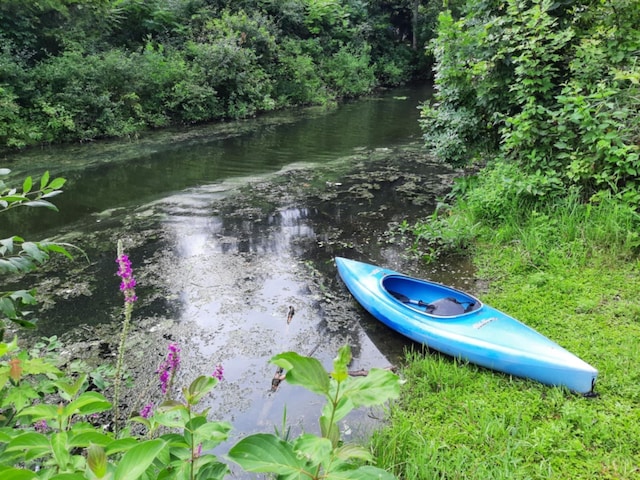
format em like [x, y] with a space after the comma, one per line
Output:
[53, 193]
[34, 366]
[56, 183]
[85, 439]
[304, 371]
[44, 180]
[8, 347]
[267, 453]
[34, 443]
[26, 185]
[314, 449]
[120, 445]
[376, 388]
[199, 388]
[10, 473]
[351, 451]
[35, 252]
[212, 431]
[20, 396]
[87, 403]
[40, 412]
[134, 463]
[340, 364]
[69, 390]
[97, 460]
[60, 449]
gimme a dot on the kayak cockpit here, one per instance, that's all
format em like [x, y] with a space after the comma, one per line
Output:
[430, 298]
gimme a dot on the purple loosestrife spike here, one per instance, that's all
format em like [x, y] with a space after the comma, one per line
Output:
[125, 272]
[168, 368]
[218, 372]
[146, 410]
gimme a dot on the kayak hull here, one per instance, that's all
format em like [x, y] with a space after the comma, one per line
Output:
[460, 325]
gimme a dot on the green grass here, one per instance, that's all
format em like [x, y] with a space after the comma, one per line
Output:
[577, 282]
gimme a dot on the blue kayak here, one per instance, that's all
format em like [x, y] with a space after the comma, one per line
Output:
[460, 325]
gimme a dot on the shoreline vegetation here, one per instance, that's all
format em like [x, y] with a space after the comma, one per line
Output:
[538, 101]
[80, 70]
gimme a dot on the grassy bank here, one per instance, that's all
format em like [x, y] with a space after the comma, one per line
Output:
[568, 270]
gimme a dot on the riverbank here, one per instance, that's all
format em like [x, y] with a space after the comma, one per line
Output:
[459, 421]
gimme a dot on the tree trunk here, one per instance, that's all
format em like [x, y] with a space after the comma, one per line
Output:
[414, 24]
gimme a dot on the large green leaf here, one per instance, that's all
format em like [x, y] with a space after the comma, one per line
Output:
[85, 439]
[304, 371]
[120, 445]
[315, 449]
[266, 453]
[87, 403]
[134, 463]
[31, 443]
[10, 473]
[60, 449]
[374, 389]
[40, 412]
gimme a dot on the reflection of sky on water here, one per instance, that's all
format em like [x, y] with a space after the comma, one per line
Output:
[240, 274]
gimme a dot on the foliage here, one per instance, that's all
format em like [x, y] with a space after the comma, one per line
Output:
[51, 426]
[79, 70]
[18, 255]
[497, 206]
[310, 456]
[550, 87]
[349, 73]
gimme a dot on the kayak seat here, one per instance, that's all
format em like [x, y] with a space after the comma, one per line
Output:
[443, 307]
[446, 307]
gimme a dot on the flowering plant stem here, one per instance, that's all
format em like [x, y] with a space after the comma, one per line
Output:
[127, 286]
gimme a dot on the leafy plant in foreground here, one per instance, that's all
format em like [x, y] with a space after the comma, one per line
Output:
[18, 255]
[315, 457]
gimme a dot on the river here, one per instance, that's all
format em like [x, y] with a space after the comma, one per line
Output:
[229, 226]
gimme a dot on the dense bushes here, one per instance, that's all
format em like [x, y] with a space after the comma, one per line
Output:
[80, 70]
[550, 88]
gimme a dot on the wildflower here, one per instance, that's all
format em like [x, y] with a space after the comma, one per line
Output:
[218, 372]
[168, 368]
[146, 410]
[41, 426]
[128, 283]
[198, 451]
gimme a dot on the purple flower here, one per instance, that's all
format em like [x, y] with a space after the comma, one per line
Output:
[168, 368]
[41, 426]
[218, 372]
[146, 410]
[128, 283]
